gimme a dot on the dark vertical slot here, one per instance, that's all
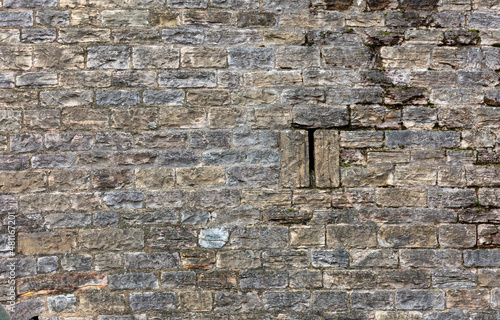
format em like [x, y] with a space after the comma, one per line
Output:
[310, 136]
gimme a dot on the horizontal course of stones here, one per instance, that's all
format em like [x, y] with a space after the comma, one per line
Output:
[251, 159]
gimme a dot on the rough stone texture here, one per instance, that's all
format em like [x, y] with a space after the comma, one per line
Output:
[246, 159]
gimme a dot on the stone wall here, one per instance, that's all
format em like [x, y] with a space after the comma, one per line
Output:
[251, 159]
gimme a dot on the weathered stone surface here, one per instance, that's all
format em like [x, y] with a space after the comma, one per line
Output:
[488, 277]
[187, 79]
[47, 57]
[154, 301]
[286, 301]
[65, 284]
[126, 200]
[307, 236]
[46, 243]
[259, 237]
[121, 18]
[22, 18]
[349, 57]
[112, 239]
[47, 264]
[295, 159]
[149, 57]
[251, 58]
[468, 299]
[178, 158]
[21, 267]
[213, 238]
[59, 202]
[347, 236]
[178, 279]
[320, 117]
[22, 181]
[297, 57]
[330, 258]
[374, 258]
[195, 301]
[38, 35]
[164, 97]
[457, 236]
[374, 175]
[330, 300]
[155, 260]
[454, 278]
[83, 119]
[488, 236]
[256, 19]
[407, 236]
[481, 258]
[76, 262]
[161, 178]
[244, 302]
[134, 119]
[108, 57]
[251, 176]
[194, 57]
[430, 139]
[235, 149]
[401, 197]
[68, 142]
[216, 198]
[37, 80]
[108, 261]
[102, 302]
[171, 237]
[117, 98]
[28, 308]
[451, 198]
[202, 260]
[238, 259]
[419, 300]
[431, 258]
[483, 176]
[361, 139]
[349, 279]
[377, 300]
[130, 281]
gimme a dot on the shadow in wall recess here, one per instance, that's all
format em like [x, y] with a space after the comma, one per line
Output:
[310, 138]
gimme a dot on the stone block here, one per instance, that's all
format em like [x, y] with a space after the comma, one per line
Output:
[152, 301]
[195, 301]
[46, 243]
[125, 18]
[418, 236]
[351, 236]
[330, 258]
[37, 80]
[133, 281]
[195, 57]
[108, 57]
[113, 239]
[294, 301]
[320, 117]
[330, 300]
[251, 58]
[155, 57]
[187, 79]
[295, 158]
[22, 18]
[307, 236]
[420, 300]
